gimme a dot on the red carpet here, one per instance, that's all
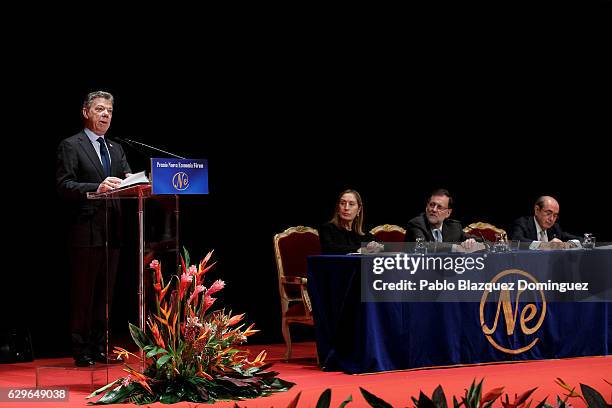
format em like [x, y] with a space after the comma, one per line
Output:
[396, 387]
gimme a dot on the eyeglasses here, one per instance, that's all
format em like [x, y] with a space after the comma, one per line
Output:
[549, 213]
[436, 207]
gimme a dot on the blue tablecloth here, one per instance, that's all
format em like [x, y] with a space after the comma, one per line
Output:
[359, 337]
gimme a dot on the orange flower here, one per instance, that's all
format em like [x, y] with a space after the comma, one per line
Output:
[259, 360]
[235, 319]
[139, 377]
[163, 292]
[249, 331]
[156, 335]
[202, 268]
[123, 354]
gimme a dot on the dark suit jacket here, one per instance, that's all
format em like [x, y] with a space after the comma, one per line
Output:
[419, 227]
[524, 229]
[79, 171]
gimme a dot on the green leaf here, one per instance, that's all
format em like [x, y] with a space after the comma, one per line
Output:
[473, 395]
[560, 402]
[294, 401]
[592, 397]
[279, 384]
[186, 257]
[169, 399]
[542, 404]
[324, 399]
[438, 397]
[373, 400]
[117, 395]
[106, 387]
[425, 401]
[162, 360]
[346, 401]
[155, 351]
[138, 336]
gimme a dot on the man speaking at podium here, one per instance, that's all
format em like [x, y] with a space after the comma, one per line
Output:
[88, 162]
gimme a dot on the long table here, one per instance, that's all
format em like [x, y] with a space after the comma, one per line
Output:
[360, 337]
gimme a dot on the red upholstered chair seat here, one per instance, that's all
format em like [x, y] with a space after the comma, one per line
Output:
[388, 233]
[291, 248]
[484, 230]
[296, 311]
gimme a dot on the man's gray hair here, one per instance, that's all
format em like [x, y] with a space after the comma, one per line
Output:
[97, 94]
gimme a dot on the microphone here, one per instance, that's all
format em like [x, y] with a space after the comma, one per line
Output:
[488, 244]
[484, 240]
[137, 143]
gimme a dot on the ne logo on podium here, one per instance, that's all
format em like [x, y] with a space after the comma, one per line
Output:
[524, 314]
[179, 176]
[180, 181]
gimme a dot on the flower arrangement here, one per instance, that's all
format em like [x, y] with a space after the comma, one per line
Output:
[473, 398]
[190, 351]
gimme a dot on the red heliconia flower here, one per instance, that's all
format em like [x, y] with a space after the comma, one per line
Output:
[202, 268]
[208, 301]
[157, 336]
[198, 289]
[163, 292]
[249, 331]
[184, 268]
[185, 282]
[206, 259]
[491, 395]
[215, 287]
[139, 378]
[235, 319]
[259, 360]
[155, 264]
[193, 271]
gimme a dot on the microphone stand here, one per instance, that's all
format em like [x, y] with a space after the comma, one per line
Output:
[486, 243]
[132, 142]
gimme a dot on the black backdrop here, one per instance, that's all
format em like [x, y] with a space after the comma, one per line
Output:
[283, 138]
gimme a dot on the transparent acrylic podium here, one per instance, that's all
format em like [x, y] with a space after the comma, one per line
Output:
[145, 227]
[67, 375]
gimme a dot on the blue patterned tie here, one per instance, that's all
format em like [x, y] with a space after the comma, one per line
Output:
[105, 157]
[437, 235]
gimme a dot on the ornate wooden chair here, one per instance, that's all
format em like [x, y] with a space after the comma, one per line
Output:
[389, 233]
[291, 247]
[484, 230]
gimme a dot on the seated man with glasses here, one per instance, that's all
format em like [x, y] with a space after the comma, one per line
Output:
[434, 225]
[542, 225]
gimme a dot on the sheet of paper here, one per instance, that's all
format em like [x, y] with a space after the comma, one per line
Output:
[136, 178]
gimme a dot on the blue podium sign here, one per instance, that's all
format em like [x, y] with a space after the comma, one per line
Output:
[179, 176]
